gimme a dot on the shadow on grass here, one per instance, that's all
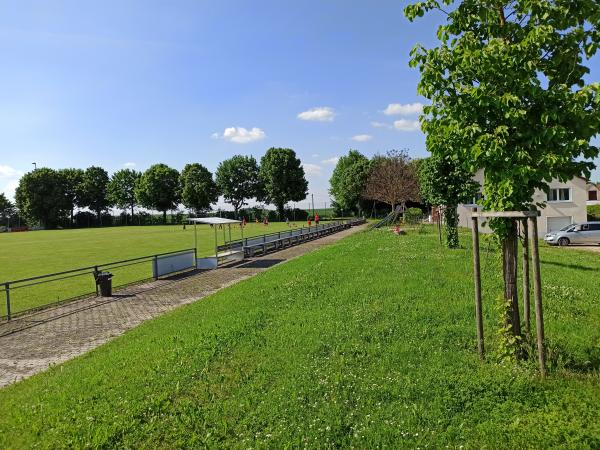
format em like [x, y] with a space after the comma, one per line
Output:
[559, 358]
[260, 264]
[48, 313]
[569, 266]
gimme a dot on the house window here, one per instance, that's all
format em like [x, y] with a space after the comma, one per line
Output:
[559, 195]
[593, 195]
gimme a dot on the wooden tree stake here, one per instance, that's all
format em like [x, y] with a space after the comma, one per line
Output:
[537, 292]
[477, 276]
[526, 308]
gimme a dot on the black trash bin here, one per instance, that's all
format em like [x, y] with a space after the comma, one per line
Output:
[104, 281]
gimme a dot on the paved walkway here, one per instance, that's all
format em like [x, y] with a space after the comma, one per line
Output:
[31, 343]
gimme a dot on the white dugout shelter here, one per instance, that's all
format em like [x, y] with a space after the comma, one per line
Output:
[226, 254]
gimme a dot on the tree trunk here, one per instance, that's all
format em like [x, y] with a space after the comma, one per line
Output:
[165, 217]
[451, 227]
[509, 270]
[71, 217]
[280, 210]
[132, 214]
[99, 214]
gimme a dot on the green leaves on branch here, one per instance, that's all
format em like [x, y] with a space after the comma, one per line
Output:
[508, 94]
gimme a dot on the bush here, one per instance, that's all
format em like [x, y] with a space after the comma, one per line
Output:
[593, 212]
[413, 216]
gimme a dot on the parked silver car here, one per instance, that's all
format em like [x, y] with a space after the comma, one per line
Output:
[582, 233]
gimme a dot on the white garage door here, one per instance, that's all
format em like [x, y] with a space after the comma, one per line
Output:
[556, 223]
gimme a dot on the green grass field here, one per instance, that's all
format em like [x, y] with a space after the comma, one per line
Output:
[30, 254]
[369, 342]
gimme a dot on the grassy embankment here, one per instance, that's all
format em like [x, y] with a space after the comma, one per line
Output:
[368, 342]
[29, 254]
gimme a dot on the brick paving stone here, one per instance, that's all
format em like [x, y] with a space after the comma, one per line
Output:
[31, 343]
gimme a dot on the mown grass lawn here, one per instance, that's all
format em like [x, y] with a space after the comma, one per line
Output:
[29, 254]
[368, 342]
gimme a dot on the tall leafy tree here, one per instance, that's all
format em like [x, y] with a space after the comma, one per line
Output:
[72, 185]
[94, 190]
[238, 180]
[121, 189]
[392, 179]
[6, 207]
[197, 187]
[443, 181]
[158, 189]
[40, 197]
[282, 176]
[348, 180]
[508, 95]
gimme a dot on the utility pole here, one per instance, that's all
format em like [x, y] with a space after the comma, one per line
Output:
[312, 196]
[34, 166]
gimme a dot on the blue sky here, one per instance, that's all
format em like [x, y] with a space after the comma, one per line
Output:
[132, 83]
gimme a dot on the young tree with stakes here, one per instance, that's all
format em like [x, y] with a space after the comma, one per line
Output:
[508, 95]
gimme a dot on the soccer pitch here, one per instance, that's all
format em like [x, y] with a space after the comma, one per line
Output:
[33, 253]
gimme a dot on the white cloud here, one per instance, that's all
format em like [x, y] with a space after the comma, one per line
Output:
[380, 125]
[407, 125]
[362, 137]
[319, 114]
[312, 169]
[9, 180]
[333, 161]
[129, 165]
[409, 109]
[241, 135]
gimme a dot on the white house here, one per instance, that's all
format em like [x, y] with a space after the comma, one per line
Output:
[565, 204]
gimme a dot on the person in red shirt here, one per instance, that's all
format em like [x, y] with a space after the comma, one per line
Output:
[317, 219]
[309, 221]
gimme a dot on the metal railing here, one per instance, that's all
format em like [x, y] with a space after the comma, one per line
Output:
[295, 234]
[8, 287]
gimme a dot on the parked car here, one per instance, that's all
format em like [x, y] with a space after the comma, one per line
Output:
[583, 233]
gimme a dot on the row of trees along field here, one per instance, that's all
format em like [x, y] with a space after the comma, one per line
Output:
[44, 196]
